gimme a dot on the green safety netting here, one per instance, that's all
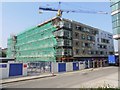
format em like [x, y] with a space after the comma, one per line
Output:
[36, 44]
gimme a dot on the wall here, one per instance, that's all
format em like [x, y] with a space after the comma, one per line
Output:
[12, 69]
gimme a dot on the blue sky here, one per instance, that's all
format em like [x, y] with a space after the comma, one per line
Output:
[19, 16]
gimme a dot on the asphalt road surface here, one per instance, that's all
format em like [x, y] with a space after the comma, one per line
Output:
[67, 80]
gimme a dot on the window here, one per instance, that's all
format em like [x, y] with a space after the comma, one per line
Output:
[116, 17]
[76, 35]
[67, 42]
[87, 45]
[116, 30]
[116, 6]
[113, 2]
[92, 38]
[106, 53]
[61, 24]
[89, 38]
[105, 47]
[77, 43]
[77, 51]
[64, 42]
[59, 33]
[66, 33]
[62, 33]
[83, 52]
[79, 28]
[83, 36]
[68, 25]
[96, 52]
[104, 40]
[116, 23]
[67, 52]
[83, 44]
[92, 52]
[101, 52]
[105, 35]
[98, 39]
[100, 46]
[59, 51]
[111, 53]
[107, 41]
[94, 32]
[89, 52]
[109, 36]
[91, 45]
[87, 30]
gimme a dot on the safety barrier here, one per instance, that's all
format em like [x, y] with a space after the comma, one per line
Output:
[68, 66]
[4, 70]
[21, 69]
[12, 69]
[74, 66]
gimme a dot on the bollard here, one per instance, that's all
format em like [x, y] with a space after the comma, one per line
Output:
[101, 63]
[93, 64]
[52, 68]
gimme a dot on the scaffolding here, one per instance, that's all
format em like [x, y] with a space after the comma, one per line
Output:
[11, 45]
[35, 44]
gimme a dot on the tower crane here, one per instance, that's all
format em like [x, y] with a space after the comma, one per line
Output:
[60, 11]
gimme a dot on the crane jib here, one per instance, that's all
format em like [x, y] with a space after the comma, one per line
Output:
[48, 9]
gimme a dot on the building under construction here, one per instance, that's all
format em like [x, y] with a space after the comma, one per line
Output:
[60, 39]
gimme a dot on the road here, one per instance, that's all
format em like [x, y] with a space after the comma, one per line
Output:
[77, 79]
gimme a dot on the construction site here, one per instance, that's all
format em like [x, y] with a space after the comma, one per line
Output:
[62, 40]
[65, 50]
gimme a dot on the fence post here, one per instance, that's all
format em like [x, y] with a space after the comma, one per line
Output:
[52, 68]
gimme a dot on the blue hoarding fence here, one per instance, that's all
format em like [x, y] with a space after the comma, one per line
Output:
[75, 66]
[15, 69]
[67, 66]
[62, 67]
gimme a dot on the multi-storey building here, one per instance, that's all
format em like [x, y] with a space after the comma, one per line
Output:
[0, 52]
[60, 39]
[104, 43]
[115, 5]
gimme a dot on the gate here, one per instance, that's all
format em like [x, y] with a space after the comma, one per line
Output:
[39, 67]
[75, 66]
[61, 67]
[15, 69]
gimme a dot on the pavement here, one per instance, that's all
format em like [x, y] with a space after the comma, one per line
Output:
[24, 78]
[87, 78]
[110, 81]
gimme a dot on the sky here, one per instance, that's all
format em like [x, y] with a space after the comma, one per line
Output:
[19, 16]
